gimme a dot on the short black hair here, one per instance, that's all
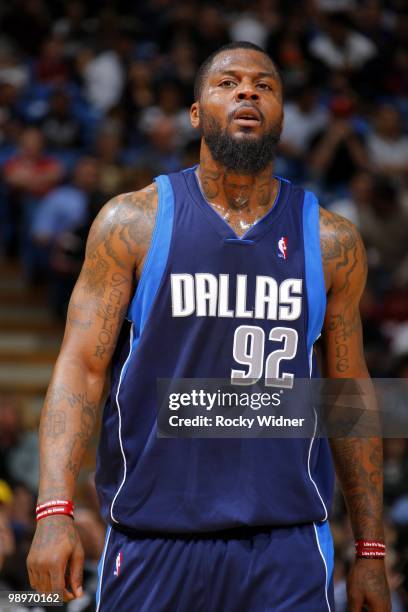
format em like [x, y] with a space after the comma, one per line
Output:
[204, 69]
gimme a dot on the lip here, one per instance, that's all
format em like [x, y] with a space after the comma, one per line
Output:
[248, 114]
[247, 122]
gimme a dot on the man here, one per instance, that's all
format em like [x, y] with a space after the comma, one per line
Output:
[210, 524]
[29, 176]
[31, 172]
[68, 206]
[59, 230]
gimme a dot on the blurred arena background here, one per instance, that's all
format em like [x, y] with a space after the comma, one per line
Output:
[94, 100]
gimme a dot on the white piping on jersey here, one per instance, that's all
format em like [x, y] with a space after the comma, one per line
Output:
[102, 568]
[123, 370]
[311, 361]
[325, 569]
[326, 514]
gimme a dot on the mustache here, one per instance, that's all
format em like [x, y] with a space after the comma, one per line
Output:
[230, 116]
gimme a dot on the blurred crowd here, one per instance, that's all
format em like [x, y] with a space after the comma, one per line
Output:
[94, 101]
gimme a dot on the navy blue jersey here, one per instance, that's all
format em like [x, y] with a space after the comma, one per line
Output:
[202, 291]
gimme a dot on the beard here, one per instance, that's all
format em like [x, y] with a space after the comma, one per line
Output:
[245, 155]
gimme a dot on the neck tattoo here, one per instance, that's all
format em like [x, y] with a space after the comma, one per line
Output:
[240, 213]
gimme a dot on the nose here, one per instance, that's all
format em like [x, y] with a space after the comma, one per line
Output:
[247, 92]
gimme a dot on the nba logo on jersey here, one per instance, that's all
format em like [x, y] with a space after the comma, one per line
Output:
[282, 247]
[118, 564]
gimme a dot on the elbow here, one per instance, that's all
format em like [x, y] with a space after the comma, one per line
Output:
[88, 367]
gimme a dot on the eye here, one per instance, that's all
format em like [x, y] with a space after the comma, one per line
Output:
[227, 83]
[264, 86]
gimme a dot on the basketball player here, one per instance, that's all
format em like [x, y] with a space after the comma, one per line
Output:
[170, 289]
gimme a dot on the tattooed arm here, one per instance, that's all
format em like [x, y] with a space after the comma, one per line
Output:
[115, 253]
[358, 461]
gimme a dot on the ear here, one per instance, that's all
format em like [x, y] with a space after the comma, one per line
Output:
[195, 115]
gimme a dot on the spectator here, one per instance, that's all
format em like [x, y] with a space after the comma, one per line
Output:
[52, 67]
[31, 172]
[370, 204]
[59, 230]
[69, 206]
[304, 119]
[395, 469]
[60, 128]
[108, 151]
[183, 60]
[9, 422]
[338, 46]
[12, 70]
[384, 228]
[22, 507]
[73, 27]
[338, 152]
[9, 115]
[396, 77]
[174, 25]
[369, 20]
[287, 43]
[387, 144]
[18, 448]
[137, 177]
[103, 77]
[161, 151]
[247, 25]
[361, 190]
[16, 531]
[138, 94]
[103, 73]
[169, 104]
[211, 30]
[28, 175]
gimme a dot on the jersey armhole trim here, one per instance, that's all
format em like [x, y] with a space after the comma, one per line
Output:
[316, 291]
[153, 241]
[150, 278]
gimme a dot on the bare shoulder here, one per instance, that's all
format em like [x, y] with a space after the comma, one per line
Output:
[123, 227]
[343, 252]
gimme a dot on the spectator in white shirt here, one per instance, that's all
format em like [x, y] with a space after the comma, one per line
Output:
[387, 144]
[340, 47]
[304, 118]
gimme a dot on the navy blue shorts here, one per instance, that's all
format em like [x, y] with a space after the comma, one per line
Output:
[279, 569]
